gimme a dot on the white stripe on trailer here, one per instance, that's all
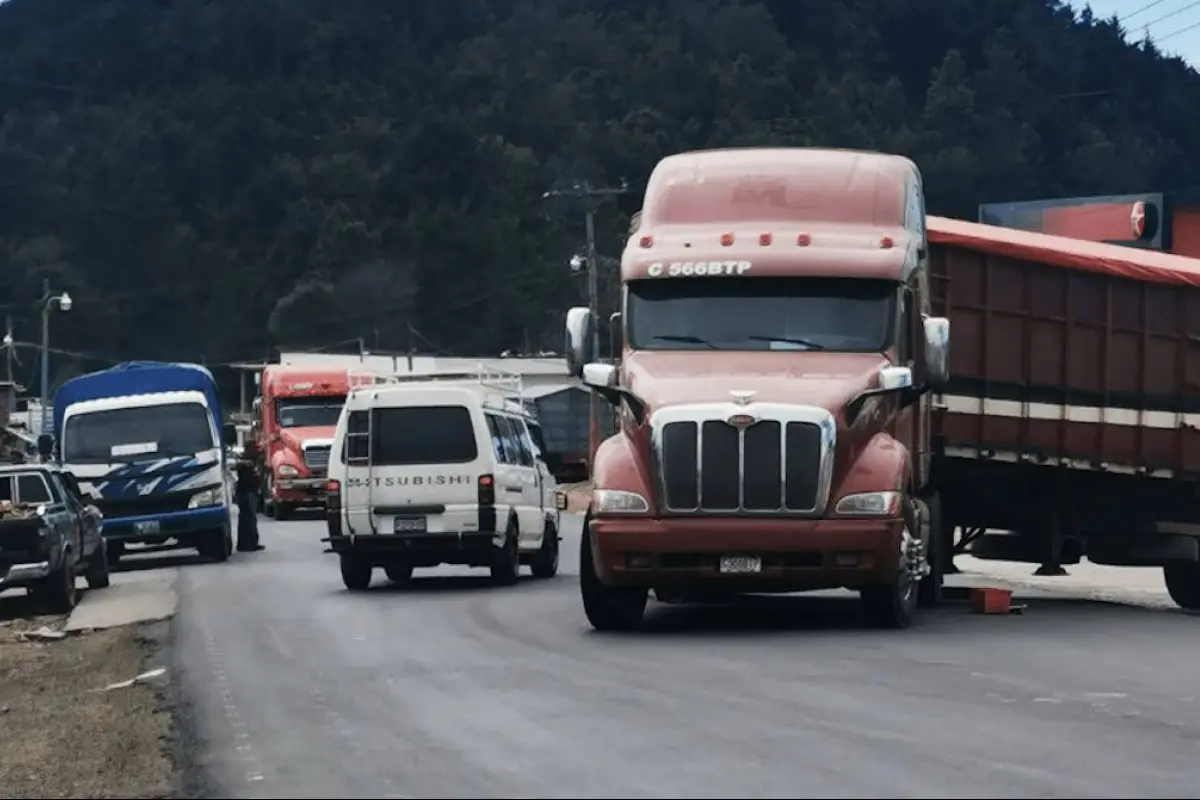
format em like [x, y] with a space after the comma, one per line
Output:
[1054, 412]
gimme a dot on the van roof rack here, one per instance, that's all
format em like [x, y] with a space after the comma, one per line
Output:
[508, 384]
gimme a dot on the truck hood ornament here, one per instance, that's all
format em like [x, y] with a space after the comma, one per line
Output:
[742, 397]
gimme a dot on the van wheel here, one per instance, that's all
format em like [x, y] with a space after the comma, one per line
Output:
[113, 552]
[356, 573]
[608, 608]
[97, 575]
[893, 604]
[217, 545]
[398, 573]
[545, 561]
[506, 560]
[1183, 584]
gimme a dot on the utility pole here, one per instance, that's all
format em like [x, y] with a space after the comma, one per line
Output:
[591, 197]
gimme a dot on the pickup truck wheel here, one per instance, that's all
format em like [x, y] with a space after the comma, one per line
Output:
[57, 590]
[1183, 584]
[506, 560]
[398, 573]
[929, 591]
[608, 608]
[97, 575]
[894, 604]
[545, 562]
[356, 573]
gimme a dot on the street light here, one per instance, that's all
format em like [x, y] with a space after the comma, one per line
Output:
[63, 301]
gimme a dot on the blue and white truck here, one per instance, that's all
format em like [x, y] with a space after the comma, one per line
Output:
[145, 438]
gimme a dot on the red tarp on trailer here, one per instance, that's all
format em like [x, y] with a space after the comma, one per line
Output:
[1109, 259]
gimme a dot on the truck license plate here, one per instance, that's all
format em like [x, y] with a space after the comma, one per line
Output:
[409, 525]
[146, 526]
[740, 565]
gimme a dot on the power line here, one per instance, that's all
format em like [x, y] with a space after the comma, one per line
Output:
[1143, 9]
[1176, 12]
[1185, 29]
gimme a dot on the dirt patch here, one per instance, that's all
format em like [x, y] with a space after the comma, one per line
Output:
[65, 736]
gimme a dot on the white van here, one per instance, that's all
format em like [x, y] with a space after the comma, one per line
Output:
[439, 472]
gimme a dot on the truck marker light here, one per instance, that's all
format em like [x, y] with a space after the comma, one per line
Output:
[726, 240]
[804, 240]
[764, 239]
[886, 243]
[646, 242]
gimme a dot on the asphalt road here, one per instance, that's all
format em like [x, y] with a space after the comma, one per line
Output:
[452, 688]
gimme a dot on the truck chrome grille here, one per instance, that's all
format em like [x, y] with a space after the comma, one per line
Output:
[316, 458]
[780, 463]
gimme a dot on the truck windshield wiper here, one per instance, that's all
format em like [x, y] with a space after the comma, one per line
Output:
[683, 339]
[811, 345]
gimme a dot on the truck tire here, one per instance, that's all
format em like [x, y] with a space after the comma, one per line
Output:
[283, 512]
[217, 545]
[608, 608]
[1183, 583]
[97, 574]
[113, 552]
[545, 561]
[894, 604]
[356, 572]
[56, 592]
[398, 572]
[506, 560]
[929, 591]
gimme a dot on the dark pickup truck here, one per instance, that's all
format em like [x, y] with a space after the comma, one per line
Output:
[49, 534]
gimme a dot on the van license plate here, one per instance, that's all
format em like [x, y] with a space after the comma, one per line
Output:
[409, 525]
[146, 526]
[740, 565]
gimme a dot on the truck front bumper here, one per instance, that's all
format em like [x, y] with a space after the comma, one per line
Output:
[299, 491]
[174, 525]
[796, 554]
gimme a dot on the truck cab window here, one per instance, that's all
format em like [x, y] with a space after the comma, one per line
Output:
[765, 313]
[308, 412]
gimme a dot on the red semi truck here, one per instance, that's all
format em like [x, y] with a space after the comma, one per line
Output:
[294, 419]
[792, 415]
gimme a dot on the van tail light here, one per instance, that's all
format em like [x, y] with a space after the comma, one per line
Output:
[333, 495]
[487, 490]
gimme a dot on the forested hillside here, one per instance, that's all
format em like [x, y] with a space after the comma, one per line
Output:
[212, 178]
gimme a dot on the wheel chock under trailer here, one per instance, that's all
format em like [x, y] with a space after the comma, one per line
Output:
[985, 599]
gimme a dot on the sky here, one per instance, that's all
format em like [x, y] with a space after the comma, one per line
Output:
[1174, 25]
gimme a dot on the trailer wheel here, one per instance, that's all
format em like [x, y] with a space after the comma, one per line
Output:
[929, 591]
[1183, 583]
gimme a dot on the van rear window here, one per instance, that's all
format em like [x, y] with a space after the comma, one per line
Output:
[411, 435]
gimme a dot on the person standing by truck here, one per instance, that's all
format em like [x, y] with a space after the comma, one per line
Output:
[246, 492]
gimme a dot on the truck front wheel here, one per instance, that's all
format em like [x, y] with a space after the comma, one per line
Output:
[1183, 583]
[356, 572]
[894, 604]
[608, 608]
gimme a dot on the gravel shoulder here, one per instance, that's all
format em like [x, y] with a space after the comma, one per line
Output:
[66, 733]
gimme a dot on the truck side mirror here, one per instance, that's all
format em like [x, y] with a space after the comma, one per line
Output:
[616, 341]
[578, 341]
[937, 351]
[45, 445]
[229, 430]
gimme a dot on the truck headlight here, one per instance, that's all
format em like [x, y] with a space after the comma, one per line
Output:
[206, 498]
[870, 504]
[286, 471]
[615, 501]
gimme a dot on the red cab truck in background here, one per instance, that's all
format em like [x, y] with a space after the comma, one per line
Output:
[294, 418]
[792, 415]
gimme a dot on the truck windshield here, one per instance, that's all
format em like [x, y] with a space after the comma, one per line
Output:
[308, 412]
[133, 434]
[775, 313]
